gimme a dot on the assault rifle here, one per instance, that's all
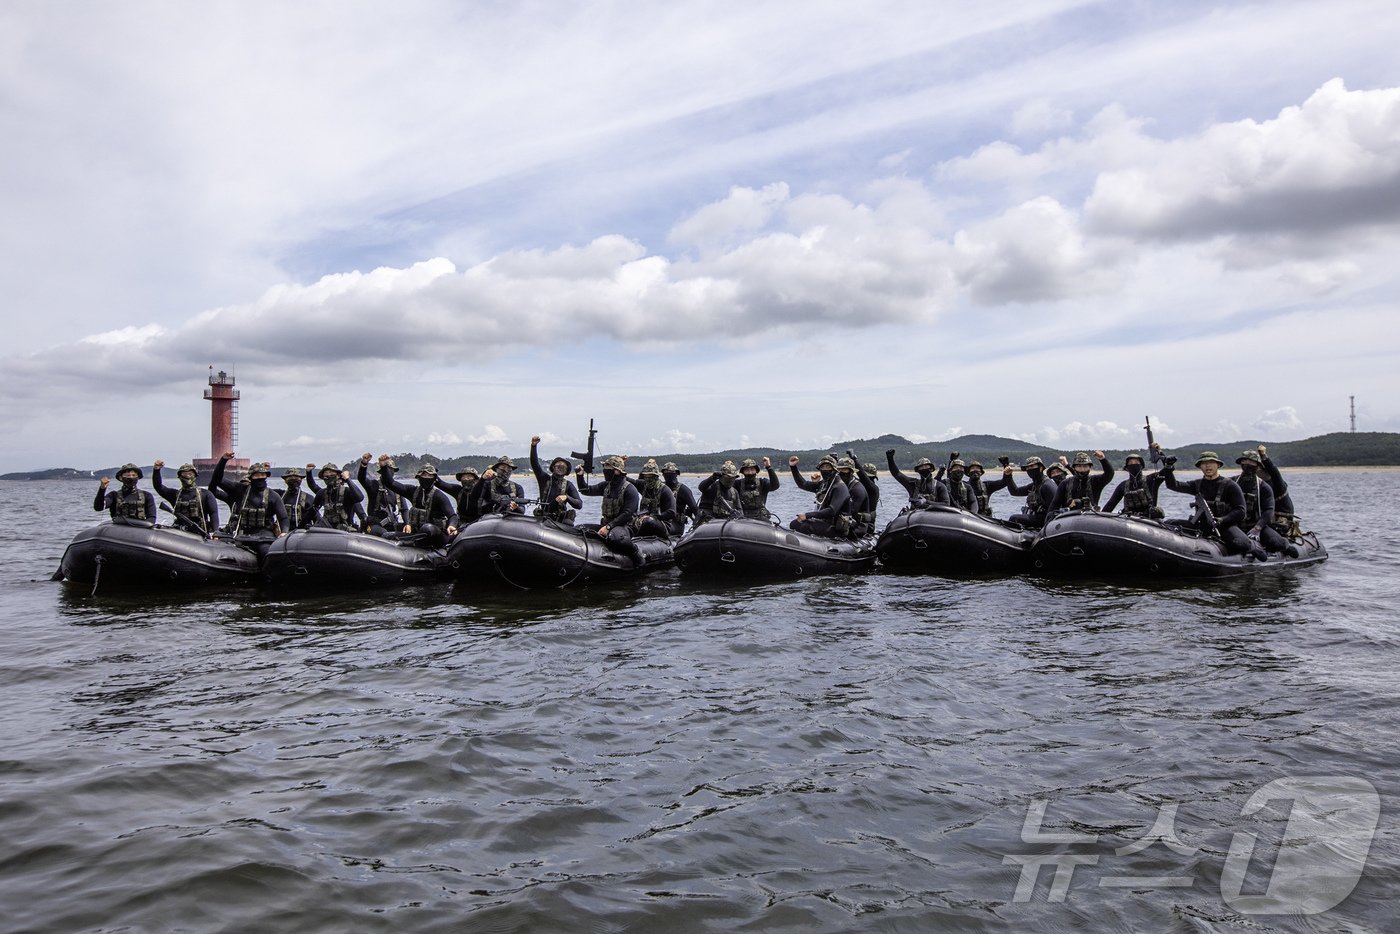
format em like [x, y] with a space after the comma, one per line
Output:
[587, 457]
[1154, 453]
[186, 521]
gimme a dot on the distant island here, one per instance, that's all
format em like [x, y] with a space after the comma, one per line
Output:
[1338, 449]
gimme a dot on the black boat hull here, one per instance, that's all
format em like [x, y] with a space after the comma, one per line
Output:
[325, 558]
[113, 554]
[755, 548]
[945, 539]
[1095, 544]
[535, 553]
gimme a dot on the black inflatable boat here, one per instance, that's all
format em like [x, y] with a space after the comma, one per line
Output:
[143, 555]
[319, 557]
[532, 553]
[945, 539]
[1096, 544]
[757, 548]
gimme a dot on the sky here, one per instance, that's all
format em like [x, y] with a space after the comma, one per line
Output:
[447, 226]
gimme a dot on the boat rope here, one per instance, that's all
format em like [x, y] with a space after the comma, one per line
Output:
[97, 575]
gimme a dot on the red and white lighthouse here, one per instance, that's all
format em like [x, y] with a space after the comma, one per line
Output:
[223, 423]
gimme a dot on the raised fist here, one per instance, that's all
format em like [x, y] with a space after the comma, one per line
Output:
[534, 439]
[158, 465]
[767, 461]
[889, 452]
[228, 455]
[366, 457]
[792, 461]
[104, 481]
[1099, 455]
[489, 474]
[310, 466]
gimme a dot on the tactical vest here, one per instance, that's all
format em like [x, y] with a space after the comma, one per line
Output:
[1250, 487]
[726, 503]
[751, 499]
[551, 508]
[961, 495]
[651, 498]
[420, 509]
[333, 512]
[925, 488]
[1137, 501]
[1035, 503]
[612, 499]
[130, 505]
[983, 498]
[297, 509]
[386, 506]
[500, 491]
[1081, 493]
[464, 498]
[256, 517]
[190, 503]
[867, 517]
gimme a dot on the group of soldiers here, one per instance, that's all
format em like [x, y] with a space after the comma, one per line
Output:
[432, 509]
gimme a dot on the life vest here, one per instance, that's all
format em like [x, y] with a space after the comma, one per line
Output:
[333, 513]
[130, 505]
[751, 498]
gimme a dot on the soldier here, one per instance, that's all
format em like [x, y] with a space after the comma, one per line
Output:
[833, 498]
[1039, 493]
[925, 489]
[430, 510]
[1285, 518]
[259, 515]
[859, 519]
[468, 507]
[869, 477]
[657, 508]
[619, 507]
[1138, 494]
[960, 491]
[686, 506]
[385, 508]
[1224, 505]
[1260, 505]
[339, 502]
[1081, 491]
[195, 510]
[559, 498]
[754, 490]
[126, 502]
[719, 495]
[301, 509]
[498, 493]
[983, 489]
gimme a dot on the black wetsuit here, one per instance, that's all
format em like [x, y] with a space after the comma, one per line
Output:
[872, 493]
[551, 488]
[430, 510]
[983, 490]
[1138, 494]
[1259, 511]
[686, 506]
[384, 508]
[266, 516]
[1225, 500]
[923, 489]
[1077, 492]
[961, 492]
[1285, 518]
[718, 500]
[753, 493]
[301, 508]
[620, 504]
[860, 517]
[656, 512]
[197, 508]
[467, 499]
[499, 495]
[1039, 495]
[833, 501]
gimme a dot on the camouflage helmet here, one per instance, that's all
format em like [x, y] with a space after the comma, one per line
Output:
[1054, 467]
[975, 465]
[1083, 459]
[1032, 461]
[749, 462]
[128, 467]
[924, 462]
[427, 471]
[1209, 456]
[1250, 457]
[957, 462]
[293, 472]
[332, 469]
[615, 463]
[1134, 455]
[845, 463]
[670, 467]
[827, 459]
[729, 470]
[185, 467]
[504, 461]
[568, 464]
[262, 467]
[466, 472]
[869, 470]
[649, 469]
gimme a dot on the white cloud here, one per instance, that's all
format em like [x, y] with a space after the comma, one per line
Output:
[446, 437]
[742, 213]
[491, 434]
[1082, 434]
[1034, 252]
[1039, 116]
[302, 442]
[127, 336]
[1282, 420]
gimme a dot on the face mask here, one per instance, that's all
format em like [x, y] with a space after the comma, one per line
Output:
[609, 474]
[826, 472]
[258, 483]
[294, 483]
[187, 481]
[1034, 473]
[1248, 469]
[128, 484]
[1133, 469]
[956, 474]
[425, 482]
